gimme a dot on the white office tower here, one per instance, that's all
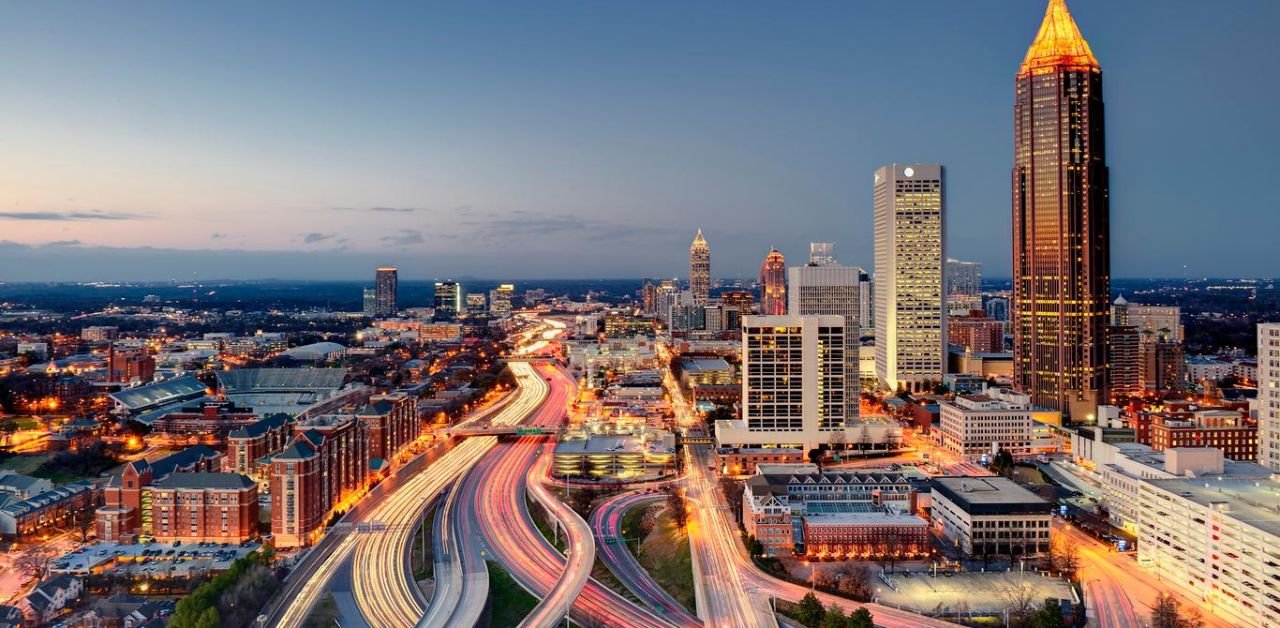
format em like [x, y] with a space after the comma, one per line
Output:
[1269, 395]
[793, 383]
[910, 260]
[822, 253]
[831, 289]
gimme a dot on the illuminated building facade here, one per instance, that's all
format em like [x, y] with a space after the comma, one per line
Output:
[500, 299]
[1061, 230]
[700, 269]
[448, 299]
[773, 284]
[909, 254]
[386, 282]
[832, 289]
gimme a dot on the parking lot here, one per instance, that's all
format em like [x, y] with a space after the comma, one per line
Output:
[980, 593]
[159, 559]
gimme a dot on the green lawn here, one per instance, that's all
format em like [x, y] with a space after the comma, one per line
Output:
[325, 614]
[508, 603]
[665, 555]
[23, 463]
[1028, 475]
[539, 516]
[424, 566]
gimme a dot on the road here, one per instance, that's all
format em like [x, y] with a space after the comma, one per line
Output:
[734, 591]
[606, 524]
[496, 520]
[310, 581]
[1118, 592]
[580, 551]
[391, 598]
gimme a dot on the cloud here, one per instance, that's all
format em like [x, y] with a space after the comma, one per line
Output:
[523, 224]
[65, 243]
[382, 210]
[217, 236]
[405, 238]
[312, 238]
[93, 214]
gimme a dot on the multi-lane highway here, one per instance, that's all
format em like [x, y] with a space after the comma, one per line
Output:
[496, 518]
[611, 547]
[389, 597]
[312, 579]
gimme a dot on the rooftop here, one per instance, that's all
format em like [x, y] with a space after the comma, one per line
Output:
[1254, 502]
[1058, 43]
[224, 481]
[150, 396]
[989, 495]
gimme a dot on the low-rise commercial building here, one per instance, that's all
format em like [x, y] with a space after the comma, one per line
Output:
[798, 509]
[649, 453]
[47, 511]
[984, 516]
[981, 424]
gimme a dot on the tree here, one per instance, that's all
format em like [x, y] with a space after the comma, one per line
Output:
[1002, 462]
[853, 581]
[809, 611]
[209, 619]
[1063, 557]
[35, 562]
[838, 441]
[1050, 616]
[815, 456]
[7, 430]
[861, 618]
[1168, 613]
[1019, 598]
[83, 518]
[834, 617]
[675, 504]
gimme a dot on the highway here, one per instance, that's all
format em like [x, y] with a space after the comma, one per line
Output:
[580, 550]
[496, 520]
[389, 597]
[606, 523]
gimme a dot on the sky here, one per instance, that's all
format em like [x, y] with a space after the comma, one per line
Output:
[556, 139]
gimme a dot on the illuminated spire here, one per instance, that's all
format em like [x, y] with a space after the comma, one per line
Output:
[1059, 42]
[699, 239]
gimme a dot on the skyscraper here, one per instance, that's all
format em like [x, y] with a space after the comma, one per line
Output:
[700, 269]
[773, 284]
[832, 289]
[385, 283]
[500, 299]
[909, 253]
[448, 301]
[370, 302]
[1061, 248]
[793, 372]
[964, 286]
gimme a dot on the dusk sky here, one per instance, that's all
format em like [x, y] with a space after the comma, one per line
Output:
[151, 140]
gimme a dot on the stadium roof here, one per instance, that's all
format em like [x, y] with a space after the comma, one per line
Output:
[314, 352]
[281, 380]
[151, 396]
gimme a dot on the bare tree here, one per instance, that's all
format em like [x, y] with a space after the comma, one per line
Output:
[1168, 613]
[1019, 597]
[35, 562]
[838, 440]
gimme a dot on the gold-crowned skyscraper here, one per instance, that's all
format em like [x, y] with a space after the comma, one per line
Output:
[700, 270]
[1061, 222]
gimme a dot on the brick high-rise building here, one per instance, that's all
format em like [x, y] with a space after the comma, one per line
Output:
[1061, 222]
[392, 422]
[326, 464]
[976, 332]
[204, 507]
[127, 363]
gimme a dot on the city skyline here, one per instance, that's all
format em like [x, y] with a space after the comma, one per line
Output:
[101, 187]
